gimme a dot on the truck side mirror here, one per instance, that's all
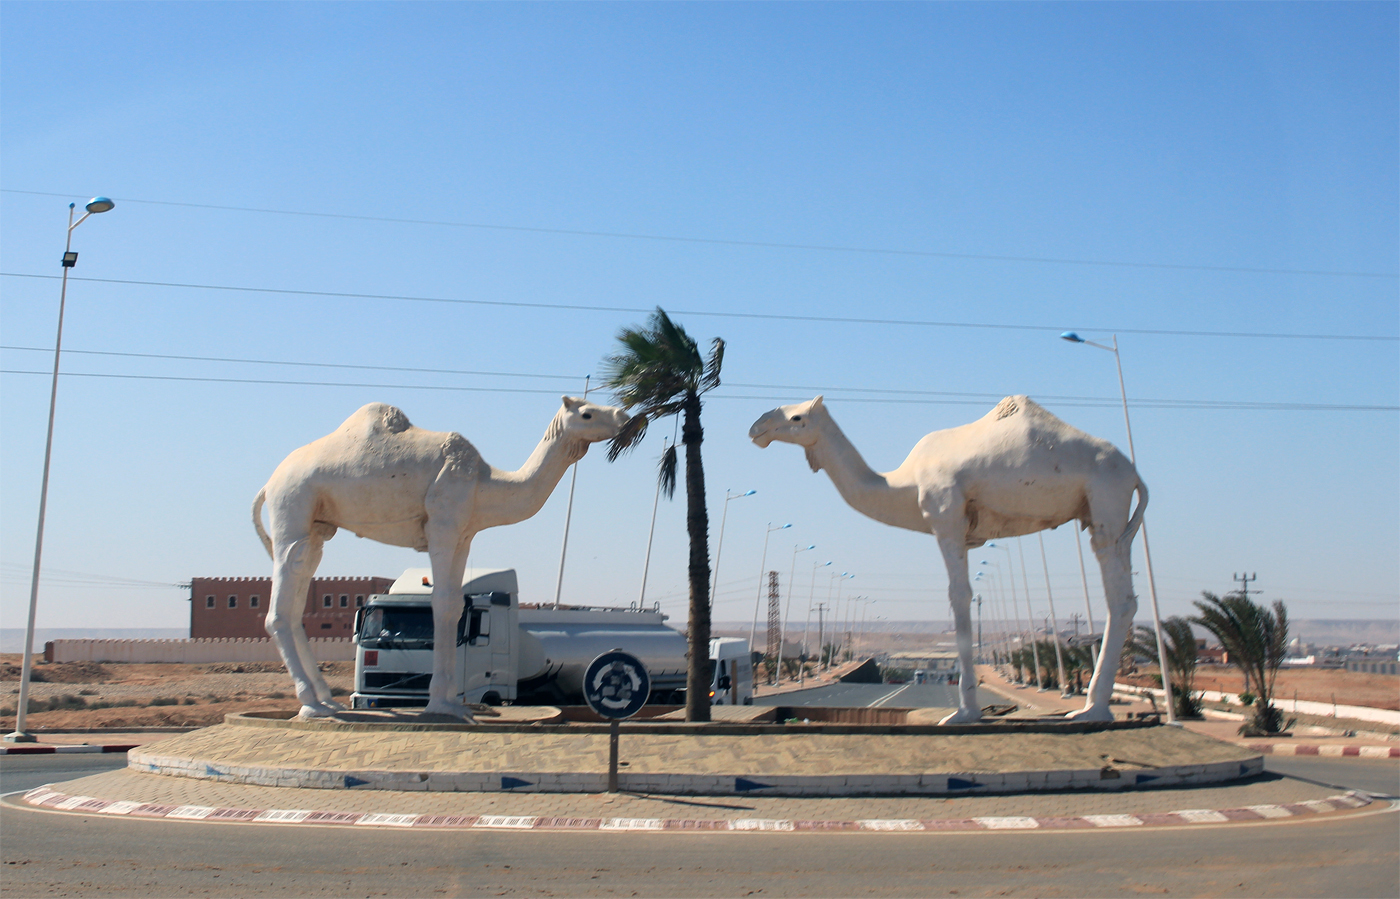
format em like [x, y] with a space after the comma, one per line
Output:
[725, 683]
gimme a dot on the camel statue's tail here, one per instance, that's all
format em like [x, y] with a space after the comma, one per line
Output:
[257, 521]
[1129, 532]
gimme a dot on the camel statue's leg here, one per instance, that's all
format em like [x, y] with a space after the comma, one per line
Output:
[449, 561]
[292, 568]
[960, 595]
[303, 644]
[1116, 564]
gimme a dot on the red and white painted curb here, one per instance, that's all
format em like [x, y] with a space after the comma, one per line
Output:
[50, 748]
[45, 797]
[1323, 749]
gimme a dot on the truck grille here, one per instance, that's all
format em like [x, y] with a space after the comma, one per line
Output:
[396, 680]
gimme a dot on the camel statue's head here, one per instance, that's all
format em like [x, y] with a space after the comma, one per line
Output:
[582, 423]
[790, 424]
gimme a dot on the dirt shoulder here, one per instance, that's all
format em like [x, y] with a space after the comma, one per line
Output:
[1377, 691]
[67, 695]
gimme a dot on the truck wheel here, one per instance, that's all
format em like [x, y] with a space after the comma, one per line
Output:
[491, 698]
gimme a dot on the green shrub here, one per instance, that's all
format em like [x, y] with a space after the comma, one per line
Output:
[1247, 698]
[164, 700]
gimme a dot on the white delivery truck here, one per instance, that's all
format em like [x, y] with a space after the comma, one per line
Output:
[531, 654]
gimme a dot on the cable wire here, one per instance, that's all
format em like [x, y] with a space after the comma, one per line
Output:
[761, 244]
[761, 316]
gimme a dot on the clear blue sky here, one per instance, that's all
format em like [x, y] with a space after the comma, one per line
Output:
[976, 177]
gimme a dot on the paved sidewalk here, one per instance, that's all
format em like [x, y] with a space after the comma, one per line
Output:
[131, 794]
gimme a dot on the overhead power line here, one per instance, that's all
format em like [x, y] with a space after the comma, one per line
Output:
[759, 244]
[1084, 402]
[979, 397]
[759, 316]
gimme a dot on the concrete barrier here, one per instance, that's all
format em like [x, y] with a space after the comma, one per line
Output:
[200, 651]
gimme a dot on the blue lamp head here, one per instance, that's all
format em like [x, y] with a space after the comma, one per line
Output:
[99, 204]
[1071, 337]
[785, 527]
[749, 493]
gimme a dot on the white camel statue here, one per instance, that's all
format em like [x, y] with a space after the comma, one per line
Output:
[1016, 470]
[380, 477]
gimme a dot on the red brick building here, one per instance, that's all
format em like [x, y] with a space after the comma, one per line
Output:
[236, 606]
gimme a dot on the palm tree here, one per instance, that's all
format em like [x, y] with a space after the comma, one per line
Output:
[1181, 661]
[660, 371]
[1257, 641]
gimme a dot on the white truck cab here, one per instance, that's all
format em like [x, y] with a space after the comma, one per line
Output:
[731, 671]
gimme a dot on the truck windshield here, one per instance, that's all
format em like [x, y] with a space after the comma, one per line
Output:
[388, 627]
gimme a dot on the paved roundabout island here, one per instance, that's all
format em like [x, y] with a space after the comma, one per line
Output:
[755, 751]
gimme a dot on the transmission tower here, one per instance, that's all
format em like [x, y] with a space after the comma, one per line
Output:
[1244, 580]
[775, 619]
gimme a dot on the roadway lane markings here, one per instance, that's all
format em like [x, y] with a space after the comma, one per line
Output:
[44, 797]
[888, 696]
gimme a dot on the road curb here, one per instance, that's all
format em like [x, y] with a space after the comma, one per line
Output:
[47, 798]
[50, 749]
[1324, 749]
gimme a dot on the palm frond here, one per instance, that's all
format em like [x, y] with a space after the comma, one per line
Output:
[712, 366]
[629, 436]
[666, 475]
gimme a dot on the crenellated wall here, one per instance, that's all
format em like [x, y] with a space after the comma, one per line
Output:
[214, 649]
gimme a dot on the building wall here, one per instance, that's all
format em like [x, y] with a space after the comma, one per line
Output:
[237, 606]
[193, 652]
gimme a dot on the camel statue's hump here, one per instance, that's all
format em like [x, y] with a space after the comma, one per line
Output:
[1022, 406]
[380, 418]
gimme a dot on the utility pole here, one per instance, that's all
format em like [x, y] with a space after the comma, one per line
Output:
[775, 623]
[821, 639]
[1244, 580]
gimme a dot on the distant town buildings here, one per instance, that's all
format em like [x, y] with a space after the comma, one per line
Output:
[237, 606]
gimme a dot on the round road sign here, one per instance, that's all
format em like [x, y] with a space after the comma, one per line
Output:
[616, 685]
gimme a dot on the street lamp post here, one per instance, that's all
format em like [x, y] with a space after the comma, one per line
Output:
[1088, 609]
[763, 563]
[807, 629]
[999, 611]
[569, 516]
[646, 565]
[1146, 549]
[787, 613]
[1015, 604]
[1055, 630]
[719, 548]
[836, 617]
[1030, 619]
[70, 258]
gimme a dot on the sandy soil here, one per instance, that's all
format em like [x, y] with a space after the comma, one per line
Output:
[1380, 691]
[153, 695]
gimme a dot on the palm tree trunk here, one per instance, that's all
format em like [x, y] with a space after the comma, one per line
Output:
[697, 678]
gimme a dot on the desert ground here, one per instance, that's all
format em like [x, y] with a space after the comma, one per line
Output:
[69, 695]
[118, 695]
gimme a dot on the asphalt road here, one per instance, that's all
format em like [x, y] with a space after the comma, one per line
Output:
[895, 696]
[83, 855]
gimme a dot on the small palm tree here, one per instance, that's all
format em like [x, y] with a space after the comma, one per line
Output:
[660, 371]
[1181, 661]
[1257, 641]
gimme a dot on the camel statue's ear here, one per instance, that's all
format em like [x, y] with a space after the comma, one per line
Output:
[571, 402]
[817, 403]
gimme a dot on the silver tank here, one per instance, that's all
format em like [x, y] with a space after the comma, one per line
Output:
[558, 645]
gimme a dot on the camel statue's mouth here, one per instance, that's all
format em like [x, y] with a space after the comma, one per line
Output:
[762, 438]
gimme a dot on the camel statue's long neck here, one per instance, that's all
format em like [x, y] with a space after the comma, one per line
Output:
[863, 489]
[507, 497]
